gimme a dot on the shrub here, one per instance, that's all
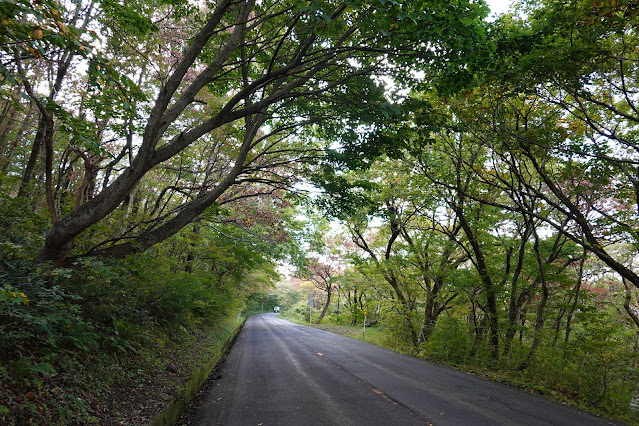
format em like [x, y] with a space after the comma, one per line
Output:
[37, 314]
[450, 342]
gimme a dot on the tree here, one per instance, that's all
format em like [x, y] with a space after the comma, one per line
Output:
[322, 275]
[582, 146]
[251, 75]
[379, 248]
[402, 239]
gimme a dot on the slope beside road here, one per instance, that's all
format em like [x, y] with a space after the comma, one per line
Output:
[281, 373]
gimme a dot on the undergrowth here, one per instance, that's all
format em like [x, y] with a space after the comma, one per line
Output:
[101, 341]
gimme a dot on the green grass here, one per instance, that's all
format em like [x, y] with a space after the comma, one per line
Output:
[373, 335]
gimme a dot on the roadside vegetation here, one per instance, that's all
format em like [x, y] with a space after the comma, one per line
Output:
[106, 341]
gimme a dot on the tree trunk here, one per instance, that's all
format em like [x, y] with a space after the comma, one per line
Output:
[480, 330]
[516, 302]
[539, 322]
[573, 307]
[430, 318]
[9, 151]
[487, 282]
[626, 304]
[60, 239]
[6, 126]
[325, 308]
[27, 175]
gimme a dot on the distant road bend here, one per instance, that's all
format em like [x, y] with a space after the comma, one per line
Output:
[280, 373]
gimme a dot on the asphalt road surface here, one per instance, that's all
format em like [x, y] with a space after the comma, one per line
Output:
[280, 373]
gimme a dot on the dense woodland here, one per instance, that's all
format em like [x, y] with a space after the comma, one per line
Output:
[470, 184]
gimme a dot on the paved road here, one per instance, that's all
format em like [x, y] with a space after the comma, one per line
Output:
[280, 373]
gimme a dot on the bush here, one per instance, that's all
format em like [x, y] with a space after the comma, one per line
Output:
[397, 332]
[37, 315]
[450, 342]
[602, 364]
[23, 231]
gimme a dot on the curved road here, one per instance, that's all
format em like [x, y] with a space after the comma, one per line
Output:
[280, 373]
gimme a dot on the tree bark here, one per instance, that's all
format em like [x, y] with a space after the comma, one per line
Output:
[626, 304]
[514, 308]
[486, 279]
[573, 307]
[539, 322]
[325, 308]
[27, 174]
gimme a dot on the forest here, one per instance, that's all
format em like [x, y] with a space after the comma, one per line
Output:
[466, 184]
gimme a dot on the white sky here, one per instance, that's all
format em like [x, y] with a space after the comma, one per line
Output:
[498, 6]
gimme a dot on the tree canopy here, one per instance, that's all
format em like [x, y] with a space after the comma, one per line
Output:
[231, 84]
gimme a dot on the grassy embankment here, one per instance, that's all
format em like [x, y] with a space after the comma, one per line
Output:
[105, 343]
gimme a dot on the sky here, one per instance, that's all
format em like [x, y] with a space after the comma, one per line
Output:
[498, 6]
